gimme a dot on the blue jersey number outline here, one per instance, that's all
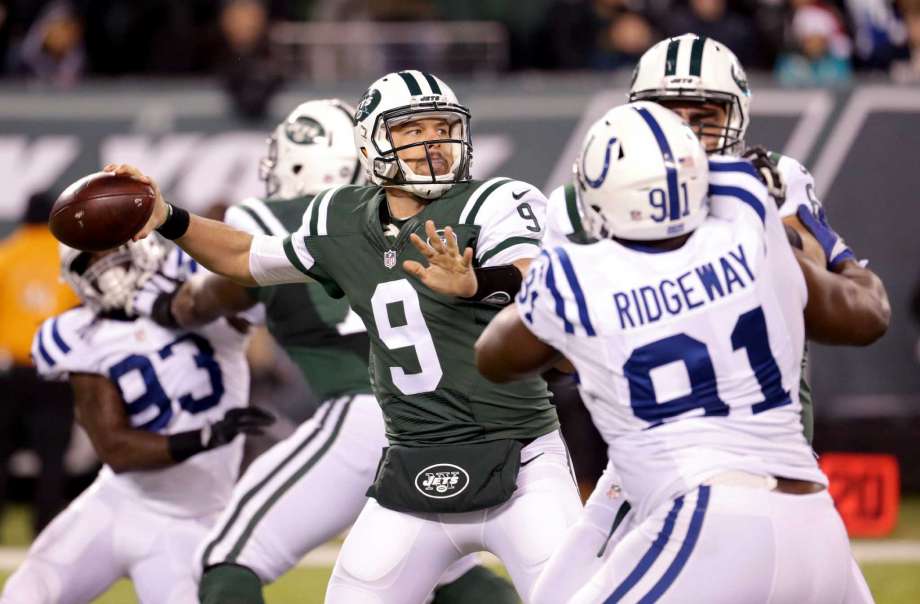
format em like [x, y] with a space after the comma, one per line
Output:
[154, 394]
[749, 333]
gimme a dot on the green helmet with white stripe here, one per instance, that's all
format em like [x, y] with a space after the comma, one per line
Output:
[697, 69]
[311, 150]
[402, 97]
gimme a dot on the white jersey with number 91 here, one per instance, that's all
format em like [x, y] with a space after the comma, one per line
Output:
[688, 360]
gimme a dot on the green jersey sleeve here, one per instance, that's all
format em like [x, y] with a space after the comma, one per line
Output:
[301, 246]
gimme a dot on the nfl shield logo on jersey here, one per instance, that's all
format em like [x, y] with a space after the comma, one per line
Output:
[389, 258]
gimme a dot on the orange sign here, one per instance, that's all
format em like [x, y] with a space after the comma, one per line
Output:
[866, 489]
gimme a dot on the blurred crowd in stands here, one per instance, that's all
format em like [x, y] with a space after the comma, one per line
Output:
[805, 42]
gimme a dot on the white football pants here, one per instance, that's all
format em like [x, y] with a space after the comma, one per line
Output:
[102, 536]
[588, 543]
[302, 492]
[392, 557]
[730, 544]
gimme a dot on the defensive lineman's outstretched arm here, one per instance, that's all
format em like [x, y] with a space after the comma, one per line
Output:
[862, 307]
[100, 409]
[848, 307]
[205, 298]
[508, 351]
[218, 247]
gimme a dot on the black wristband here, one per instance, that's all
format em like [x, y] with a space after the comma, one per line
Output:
[176, 223]
[497, 284]
[185, 444]
[162, 313]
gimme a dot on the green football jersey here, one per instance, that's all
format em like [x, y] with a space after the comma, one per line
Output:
[321, 334]
[564, 224]
[422, 365]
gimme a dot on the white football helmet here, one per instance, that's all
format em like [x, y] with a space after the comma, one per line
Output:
[109, 282]
[642, 175]
[697, 69]
[311, 150]
[400, 97]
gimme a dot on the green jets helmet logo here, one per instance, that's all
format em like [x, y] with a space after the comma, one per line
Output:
[740, 79]
[304, 130]
[368, 103]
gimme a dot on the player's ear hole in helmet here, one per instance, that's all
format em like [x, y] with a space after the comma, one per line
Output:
[642, 175]
[703, 78]
[426, 163]
[106, 281]
[311, 150]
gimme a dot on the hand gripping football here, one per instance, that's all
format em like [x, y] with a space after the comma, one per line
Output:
[101, 211]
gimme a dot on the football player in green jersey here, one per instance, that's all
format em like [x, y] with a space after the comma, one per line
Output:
[702, 80]
[471, 465]
[276, 514]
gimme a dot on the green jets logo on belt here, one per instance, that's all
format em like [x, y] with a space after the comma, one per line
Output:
[442, 481]
[368, 103]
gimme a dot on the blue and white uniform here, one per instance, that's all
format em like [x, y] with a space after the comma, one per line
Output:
[144, 525]
[689, 364]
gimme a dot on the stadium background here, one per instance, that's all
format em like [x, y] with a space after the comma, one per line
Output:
[187, 90]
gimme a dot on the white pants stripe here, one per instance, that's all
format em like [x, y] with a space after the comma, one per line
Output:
[725, 544]
[270, 478]
[674, 568]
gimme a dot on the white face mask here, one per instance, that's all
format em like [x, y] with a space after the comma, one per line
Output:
[111, 282]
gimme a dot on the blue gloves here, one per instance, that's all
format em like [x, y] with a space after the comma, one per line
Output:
[835, 249]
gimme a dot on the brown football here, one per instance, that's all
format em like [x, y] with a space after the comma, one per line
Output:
[101, 211]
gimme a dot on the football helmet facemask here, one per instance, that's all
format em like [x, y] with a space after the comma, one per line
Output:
[697, 69]
[109, 282]
[406, 96]
[311, 150]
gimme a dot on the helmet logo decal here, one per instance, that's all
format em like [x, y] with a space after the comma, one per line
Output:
[304, 130]
[368, 103]
[595, 183]
[740, 79]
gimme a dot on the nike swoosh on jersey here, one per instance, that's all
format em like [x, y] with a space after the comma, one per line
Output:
[519, 195]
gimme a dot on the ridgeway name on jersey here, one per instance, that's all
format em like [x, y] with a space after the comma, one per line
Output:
[712, 382]
[421, 362]
[171, 381]
[564, 224]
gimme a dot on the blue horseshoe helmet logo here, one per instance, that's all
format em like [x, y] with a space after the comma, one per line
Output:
[595, 183]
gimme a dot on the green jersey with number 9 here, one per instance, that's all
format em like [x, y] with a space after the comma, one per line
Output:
[421, 363]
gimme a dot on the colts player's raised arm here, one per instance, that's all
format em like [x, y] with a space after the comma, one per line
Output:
[222, 249]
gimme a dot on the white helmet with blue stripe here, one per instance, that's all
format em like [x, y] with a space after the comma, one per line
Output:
[694, 68]
[404, 96]
[642, 175]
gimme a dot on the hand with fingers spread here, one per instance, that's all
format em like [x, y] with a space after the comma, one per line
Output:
[160, 208]
[448, 272]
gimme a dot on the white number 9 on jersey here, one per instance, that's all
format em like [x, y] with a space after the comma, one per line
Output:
[414, 333]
